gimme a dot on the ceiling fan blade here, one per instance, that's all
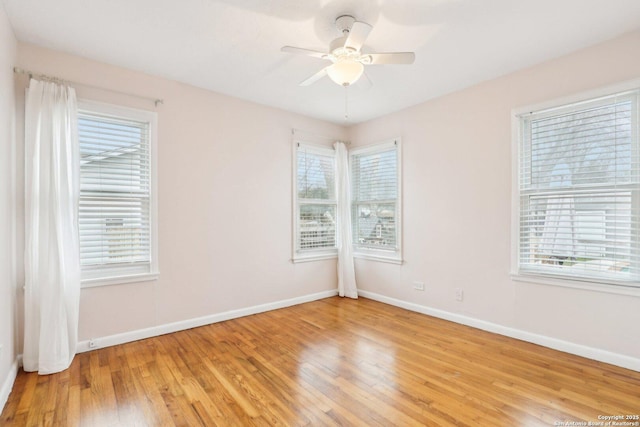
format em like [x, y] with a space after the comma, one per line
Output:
[317, 76]
[301, 51]
[392, 58]
[357, 35]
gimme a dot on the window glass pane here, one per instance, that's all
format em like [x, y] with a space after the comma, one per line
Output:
[375, 225]
[316, 175]
[579, 231]
[113, 230]
[583, 147]
[375, 175]
[317, 226]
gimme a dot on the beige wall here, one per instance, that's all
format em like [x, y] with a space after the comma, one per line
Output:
[224, 179]
[225, 203]
[7, 167]
[457, 205]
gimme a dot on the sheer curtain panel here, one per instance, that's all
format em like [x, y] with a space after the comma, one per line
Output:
[346, 270]
[52, 263]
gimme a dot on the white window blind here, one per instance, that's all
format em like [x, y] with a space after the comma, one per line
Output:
[578, 190]
[375, 198]
[315, 200]
[115, 196]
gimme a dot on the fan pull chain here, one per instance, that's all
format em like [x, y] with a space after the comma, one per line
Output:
[346, 103]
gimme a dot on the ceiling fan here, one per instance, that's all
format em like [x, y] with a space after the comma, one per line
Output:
[346, 55]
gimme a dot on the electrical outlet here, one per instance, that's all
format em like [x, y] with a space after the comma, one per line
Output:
[459, 294]
[418, 286]
[92, 343]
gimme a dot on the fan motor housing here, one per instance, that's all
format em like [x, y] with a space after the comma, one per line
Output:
[344, 23]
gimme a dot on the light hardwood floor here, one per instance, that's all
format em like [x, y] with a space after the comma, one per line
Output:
[329, 362]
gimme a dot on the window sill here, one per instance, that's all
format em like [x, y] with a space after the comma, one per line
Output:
[310, 258]
[380, 258]
[120, 280]
[611, 288]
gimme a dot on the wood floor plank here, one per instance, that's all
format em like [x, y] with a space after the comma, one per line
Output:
[334, 362]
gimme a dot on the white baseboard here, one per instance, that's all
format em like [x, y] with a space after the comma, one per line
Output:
[554, 343]
[168, 328]
[7, 384]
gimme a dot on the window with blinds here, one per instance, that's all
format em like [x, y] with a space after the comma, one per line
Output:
[579, 182]
[375, 196]
[315, 224]
[115, 209]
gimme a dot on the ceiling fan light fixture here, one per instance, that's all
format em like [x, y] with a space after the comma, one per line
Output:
[345, 71]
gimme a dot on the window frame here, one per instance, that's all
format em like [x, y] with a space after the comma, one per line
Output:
[368, 253]
[125, 275]
[298, 254]
[517, 132]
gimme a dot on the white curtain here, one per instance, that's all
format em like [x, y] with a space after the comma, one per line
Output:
[52, 263]
[346, 270]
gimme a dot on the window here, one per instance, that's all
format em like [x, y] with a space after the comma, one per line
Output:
[117, 205]
[315, 202]
[579, 184]
[375, 209]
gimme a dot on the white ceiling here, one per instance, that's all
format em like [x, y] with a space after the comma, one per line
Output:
[233, 46]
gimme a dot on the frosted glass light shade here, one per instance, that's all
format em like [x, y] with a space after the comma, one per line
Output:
[345, 72]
